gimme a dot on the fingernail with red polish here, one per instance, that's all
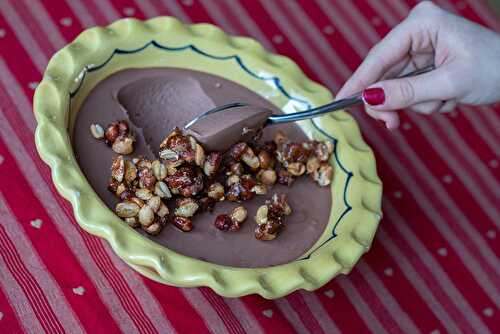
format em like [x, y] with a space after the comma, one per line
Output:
[374, 96]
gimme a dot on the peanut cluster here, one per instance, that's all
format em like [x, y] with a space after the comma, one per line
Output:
[189, 180]
[269, 217]
[117, 135]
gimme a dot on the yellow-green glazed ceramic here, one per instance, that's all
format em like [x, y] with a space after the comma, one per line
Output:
[164, 41]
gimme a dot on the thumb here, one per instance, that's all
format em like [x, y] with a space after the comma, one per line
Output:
[401, 93]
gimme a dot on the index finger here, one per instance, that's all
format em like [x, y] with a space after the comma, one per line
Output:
[391, 50]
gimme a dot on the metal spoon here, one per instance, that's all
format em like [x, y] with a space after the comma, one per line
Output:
[220, 127]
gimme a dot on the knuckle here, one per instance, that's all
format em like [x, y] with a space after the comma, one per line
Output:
[407, 92]
[424, 7]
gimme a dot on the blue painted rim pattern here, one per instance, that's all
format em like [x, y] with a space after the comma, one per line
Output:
[278, 85]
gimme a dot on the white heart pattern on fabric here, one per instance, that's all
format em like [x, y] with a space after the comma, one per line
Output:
[66, 21]
[79, 290]
[388, 272]
[268, 313]
[129, 11]
[36, 223]
[1, 315]
[1, 159]
[329, 293]
[442, 251]
[488, 312]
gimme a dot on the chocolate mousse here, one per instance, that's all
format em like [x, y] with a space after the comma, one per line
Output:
[156, 100]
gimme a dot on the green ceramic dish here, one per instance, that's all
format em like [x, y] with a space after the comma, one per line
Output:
[98, 52]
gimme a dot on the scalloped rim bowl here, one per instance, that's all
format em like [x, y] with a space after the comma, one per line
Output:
[164, 41]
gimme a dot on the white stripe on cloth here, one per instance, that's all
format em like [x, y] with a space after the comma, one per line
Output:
[212, 8]
[52, 291]
[319, 312]
[291, 31]
[249, 25]
[146, 8]
[313, 35]
[34, 294]
[364, 311]
[414, 277]
[244, 316]
[491, 118]
[290, 314]
[481, 129]
[207, 311]
[330, 9]
[148, 302]
[448, 229]
[106, 9]
[442, 279]
[362, 22]
[486, 13]
[175, 9]
[439, 126]
[18, 301]
[41, 16]
[81, 13]
[23, 35]
[68, 231]
[404, 322]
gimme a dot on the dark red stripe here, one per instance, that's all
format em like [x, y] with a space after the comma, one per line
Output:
[342, 46]
[31, 25]
[134, 304]
[60, 261]
[476, 298]
[426, 232]
[140, 318]
[110, 272]
[257, 13]
[223, 311]
[374, 303]
[181, 314]
[278, 323]
[340, 308]
[29, 285]
[403, 291]
[10, 322]
[305, 315]
[57, 13]
[120, 6]
[21, 282]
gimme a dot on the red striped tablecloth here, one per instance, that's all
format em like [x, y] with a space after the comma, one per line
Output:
[434, 266]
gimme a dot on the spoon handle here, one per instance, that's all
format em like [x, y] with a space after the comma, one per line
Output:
[334, 106]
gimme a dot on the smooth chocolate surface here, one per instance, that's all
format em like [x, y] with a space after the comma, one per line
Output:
[154, 101]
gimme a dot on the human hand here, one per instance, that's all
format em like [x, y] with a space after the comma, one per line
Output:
[466, 56]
